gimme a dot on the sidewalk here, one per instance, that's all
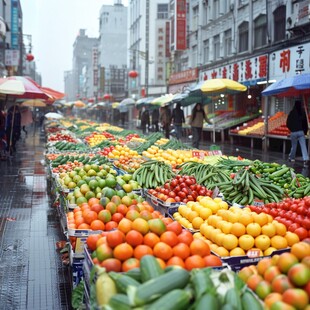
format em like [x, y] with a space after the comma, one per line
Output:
[32, 275]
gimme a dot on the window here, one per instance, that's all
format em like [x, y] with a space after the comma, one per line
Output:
[162, 11]
[194, 56]
[216, 9]
[216, 44]
[260, 31]
[206, 51]
[243, 37]
[279, 17]
[227, 43]
[195, 22]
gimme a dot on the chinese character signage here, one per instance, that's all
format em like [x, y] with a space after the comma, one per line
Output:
[248, 71]
[184, 76]
[12, 58]
[95, 66]
[14, 24]
[289, 61]
[180, 25]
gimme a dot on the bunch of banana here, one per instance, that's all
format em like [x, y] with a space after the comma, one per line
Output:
[153, 173]
[205, 174]
[299, 187]
[245, 187]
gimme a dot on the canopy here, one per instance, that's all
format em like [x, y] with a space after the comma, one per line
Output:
[163, 101]
[33, 103]
[293, 86]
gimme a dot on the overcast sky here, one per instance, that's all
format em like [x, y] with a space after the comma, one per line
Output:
[54, 25]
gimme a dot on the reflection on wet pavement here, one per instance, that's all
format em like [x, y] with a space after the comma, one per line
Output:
[32, 275]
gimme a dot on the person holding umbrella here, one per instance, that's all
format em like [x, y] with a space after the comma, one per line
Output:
[196, 122]
[13, 128]
[298, 126]
[178, 119]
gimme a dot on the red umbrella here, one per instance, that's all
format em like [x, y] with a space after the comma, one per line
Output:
[54, 94]
[22, 87]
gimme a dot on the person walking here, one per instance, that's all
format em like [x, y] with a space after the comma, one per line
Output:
[26, 119]
[196, 122]
[298, 125]
[178, 119]
[13, 128]
[155, 119]
[145, 119]
[165, 119]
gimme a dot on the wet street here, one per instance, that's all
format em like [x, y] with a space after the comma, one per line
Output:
[32, 275]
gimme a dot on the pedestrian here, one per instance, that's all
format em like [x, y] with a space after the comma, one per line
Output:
[178, 119]
[13, 128]
[26, 119]
[196, 122]
[165, 119]
[298, 125]
[145, 119]
[3, 143]
[155, 119]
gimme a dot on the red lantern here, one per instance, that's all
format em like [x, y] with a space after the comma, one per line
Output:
[29, 57]
[107, 96]
[133, 74]
[91, 100]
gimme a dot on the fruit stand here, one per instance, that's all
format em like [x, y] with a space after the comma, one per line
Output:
[148, 221]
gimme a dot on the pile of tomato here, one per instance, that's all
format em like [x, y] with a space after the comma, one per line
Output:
[105, 151]
[293, 213]
[61, 137]
[180, 189]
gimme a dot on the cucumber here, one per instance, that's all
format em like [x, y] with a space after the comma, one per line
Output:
[232, 297]
[250, 302]
[208, 301]
[150, 268]
[119, 302]
[154, 288]
[122, 281]
[134, 273]
[201, 281]
[177, 299]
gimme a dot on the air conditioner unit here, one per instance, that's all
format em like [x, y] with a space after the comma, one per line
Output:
[205, 2]
[232, 6]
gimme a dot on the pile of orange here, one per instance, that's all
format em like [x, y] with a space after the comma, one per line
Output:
[122, 249]
[235, 231]
[282, 280]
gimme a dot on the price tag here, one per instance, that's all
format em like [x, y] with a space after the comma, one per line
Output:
[257, 203]
[198, 154]
[212, 153]
[253, 253]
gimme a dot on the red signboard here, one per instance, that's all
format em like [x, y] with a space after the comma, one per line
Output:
[167, 43]
[180, 25]
[183, 76]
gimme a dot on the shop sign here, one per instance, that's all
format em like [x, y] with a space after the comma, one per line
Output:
[14, 24]
[2, 27]
[248, 71]
[289, 62]
[183, 76]
[95, 66]
[180, 26]
[12, 58]
[303, 12]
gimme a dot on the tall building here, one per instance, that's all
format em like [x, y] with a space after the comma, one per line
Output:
[112, 51]
[147, 44]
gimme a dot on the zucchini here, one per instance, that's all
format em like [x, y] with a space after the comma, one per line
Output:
[250, 302]
[122, 281]
[202, 282]
[150, 268]
[154, 288]
[177, 299]
[119, 302]
[207, 301]
[232, 297]
[134, 273]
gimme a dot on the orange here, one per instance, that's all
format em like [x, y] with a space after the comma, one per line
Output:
[134, 238]
[194, 261]
[115, 238]
[196, 222]
[269, 230]
[221, 251]
[130, 263]
[89, 216]
[186, 237]
[246, 242]
[181, 250]
[212, 261]
[162, 250]
[237, 229]
[112, 264]
[83, 226]
[125, 225]
[169, 237]
[278, 242]
[230, 242]
[246, 218]
[150, 239]
[262, 242]
[142, 250]
[253, 229]
[176, 261]
[141, 225]
[269, 251]
[110, 225]
[237, 252]
[199, 247]
[263, 265]
[261, 218]
[123, 251]
[301, 250]
[97, 225]
[233, 217]
[219, 239]
[91, 241]
[175, 226]
[280, 228]
[291, 238]
[226, 227]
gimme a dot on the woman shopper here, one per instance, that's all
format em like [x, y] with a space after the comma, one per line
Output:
[145, 119]
[196, 122]
[165, 119]
[178, 119]
[298, 125]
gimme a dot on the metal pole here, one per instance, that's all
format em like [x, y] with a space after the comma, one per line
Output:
[147, 30]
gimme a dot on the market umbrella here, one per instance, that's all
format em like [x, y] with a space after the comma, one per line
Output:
[127, 101]
[53, 115]
[79, 104]
[163, 101]
[38, 103]
[54, 94]
[216, 87]
[115, 105]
